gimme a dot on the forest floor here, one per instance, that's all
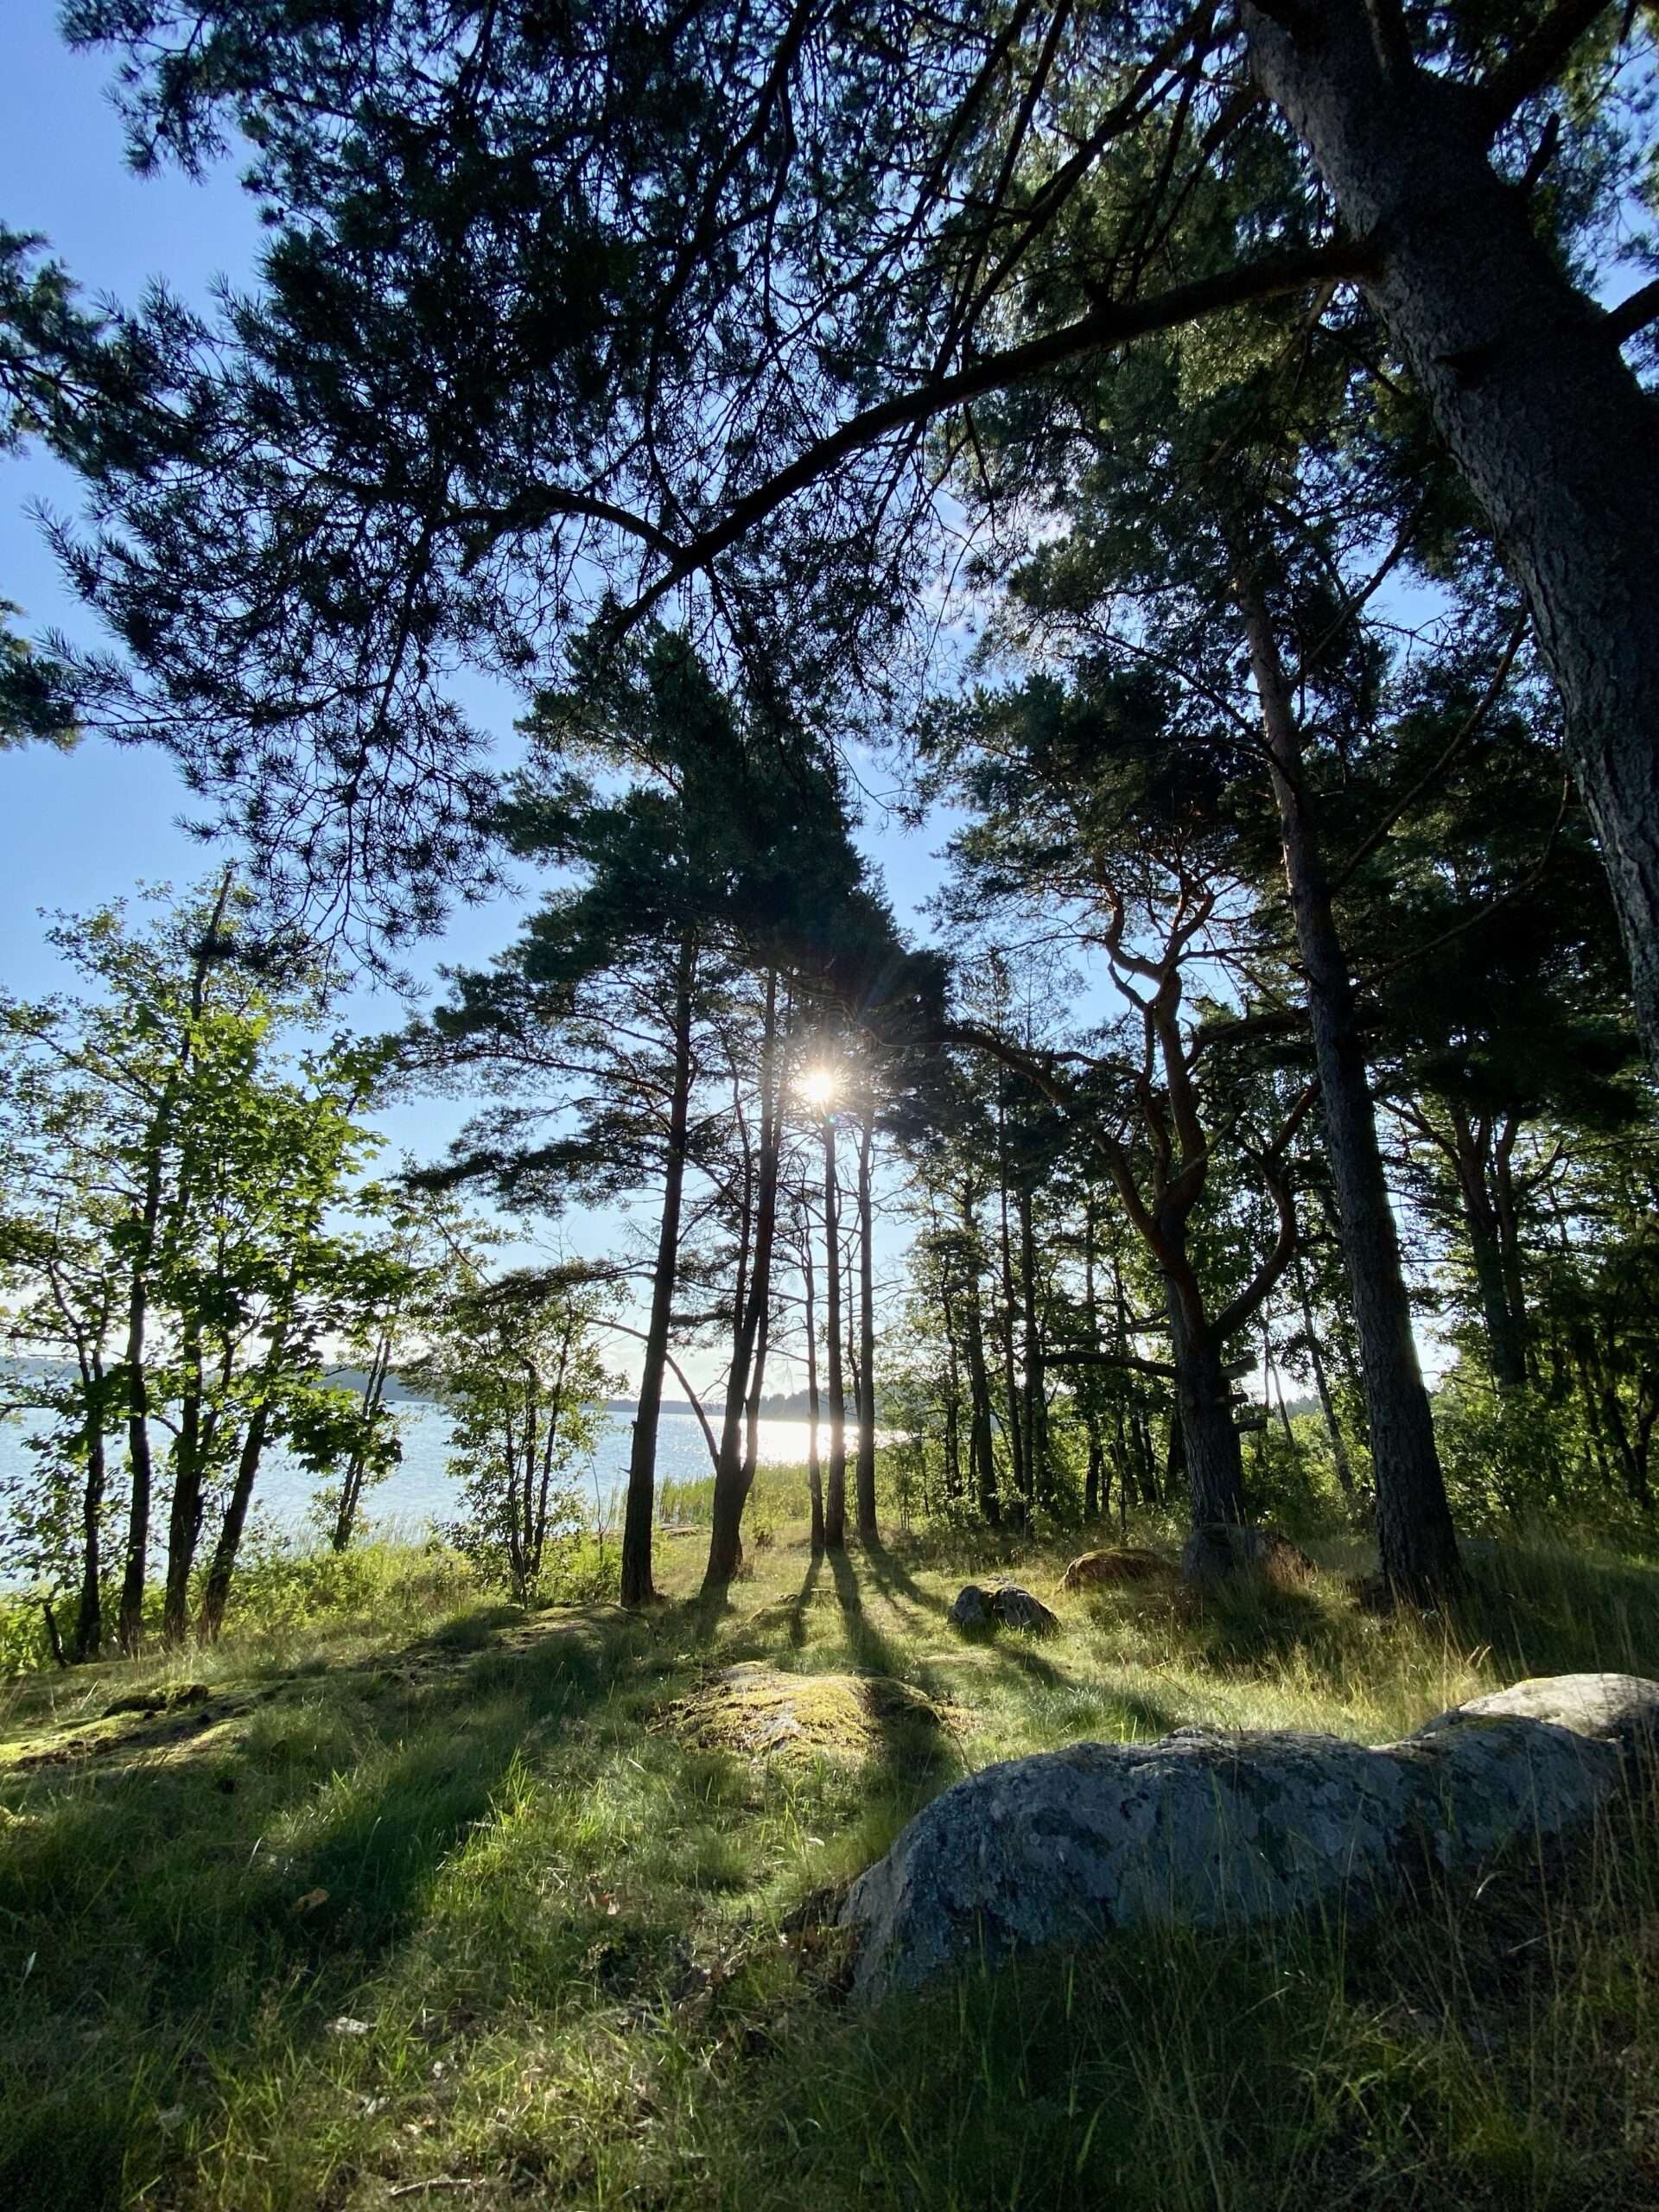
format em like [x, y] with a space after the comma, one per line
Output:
[438, 1901]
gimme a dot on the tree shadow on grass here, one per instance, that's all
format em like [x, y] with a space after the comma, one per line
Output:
[1013, 1649]
[257, 1873]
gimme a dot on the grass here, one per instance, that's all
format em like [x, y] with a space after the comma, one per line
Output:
[429, 1896]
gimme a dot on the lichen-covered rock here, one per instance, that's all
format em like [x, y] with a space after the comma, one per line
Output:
[761, 1711]
[971, 1607]
[1204, 1827]
[1622, 1709]
[1014, 1607]
[1224, 1548]
[1007, 1606]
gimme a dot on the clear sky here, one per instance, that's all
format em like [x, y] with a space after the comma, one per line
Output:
[79, 829]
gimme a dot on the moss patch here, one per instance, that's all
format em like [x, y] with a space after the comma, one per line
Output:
[763, 1713]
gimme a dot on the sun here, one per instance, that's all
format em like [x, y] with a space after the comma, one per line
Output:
[818, 1086]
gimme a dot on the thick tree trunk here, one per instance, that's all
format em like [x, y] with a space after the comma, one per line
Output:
[640, 1509]
[869, 1529]
[1416, 1541]
[1550, 427]
[835, 1495]
[1214, 1470]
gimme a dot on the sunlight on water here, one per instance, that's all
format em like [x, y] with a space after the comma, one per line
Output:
[421, 1492]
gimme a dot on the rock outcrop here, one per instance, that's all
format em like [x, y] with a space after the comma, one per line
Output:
[761, 1711]
[1224, 1548]
[1206, 1826]
[1007, 1606]
[1104, 1570]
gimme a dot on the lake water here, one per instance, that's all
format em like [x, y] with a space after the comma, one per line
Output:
[421, 1493]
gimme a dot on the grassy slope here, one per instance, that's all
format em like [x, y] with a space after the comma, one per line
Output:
[440, 1896]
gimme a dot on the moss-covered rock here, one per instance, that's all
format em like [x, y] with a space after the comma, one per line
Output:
[762, 1712]
[1111, 1569]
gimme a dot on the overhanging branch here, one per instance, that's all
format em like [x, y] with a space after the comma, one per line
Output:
[1114, 324]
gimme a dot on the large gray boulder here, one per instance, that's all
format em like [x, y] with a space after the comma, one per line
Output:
[1206, 1826]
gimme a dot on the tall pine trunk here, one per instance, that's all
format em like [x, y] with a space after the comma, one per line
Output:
[1034, 1413]
[1010, 1388]
[734, 1469]
[1416, 1542]
[1550, 427]
[814, 1462]
[835, 1490]
[640, 1509]
[868, 1528]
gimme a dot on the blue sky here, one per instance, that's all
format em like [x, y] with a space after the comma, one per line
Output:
[79, 829]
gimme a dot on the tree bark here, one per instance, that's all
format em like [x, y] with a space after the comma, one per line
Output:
[735, 1468]
[835, 1495]
[187, 1504]
[982, 1435]
[1550, 427]
[1214, 1465]
[1034, 1416]
[1505, 1342]
[1015, 1428]
[216, 1590]
[869, 1529]
[640, 1509]
[1416, 1541]
[814, 1464]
